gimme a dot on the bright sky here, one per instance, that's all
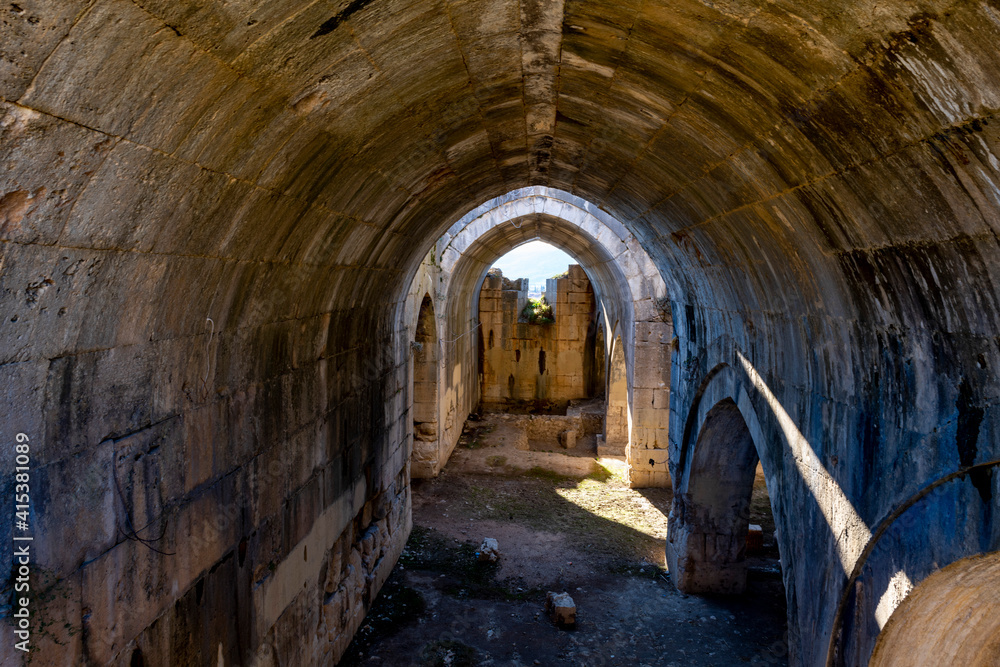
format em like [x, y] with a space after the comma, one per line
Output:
[536, 261]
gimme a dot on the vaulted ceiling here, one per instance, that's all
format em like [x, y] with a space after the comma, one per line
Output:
[775, 139]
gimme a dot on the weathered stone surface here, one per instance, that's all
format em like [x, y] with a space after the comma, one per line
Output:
[953, 612]
[817, 183]
[489, 551]
[537, 363]
[561, 609]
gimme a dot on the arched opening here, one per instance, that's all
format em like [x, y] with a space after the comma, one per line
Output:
[950, 618]
[626, 288]
[537, 322]
[708, 533]
[426, 436]
[614, 277]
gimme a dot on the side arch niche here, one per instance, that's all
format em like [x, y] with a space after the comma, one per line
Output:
[706, 547]
[426, 431]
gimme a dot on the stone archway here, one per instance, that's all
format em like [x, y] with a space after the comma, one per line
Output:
[426, 431]
[629, 288]
[706, 547]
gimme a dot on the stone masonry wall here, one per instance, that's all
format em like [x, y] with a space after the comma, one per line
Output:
[649, 447]
[456, 393]
[242, 485]
[535, 362]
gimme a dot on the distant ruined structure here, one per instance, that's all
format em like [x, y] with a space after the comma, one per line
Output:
[541, 366]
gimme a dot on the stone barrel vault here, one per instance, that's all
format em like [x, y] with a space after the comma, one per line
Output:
[212, 213]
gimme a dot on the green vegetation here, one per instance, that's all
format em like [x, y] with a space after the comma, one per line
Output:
[538, 311]
[539, 472]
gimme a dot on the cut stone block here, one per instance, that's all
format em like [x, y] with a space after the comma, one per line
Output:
[561, 609]
[489, 551]
[755, 539]
[567, 439]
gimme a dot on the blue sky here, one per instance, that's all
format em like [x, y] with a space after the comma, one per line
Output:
[536, 261]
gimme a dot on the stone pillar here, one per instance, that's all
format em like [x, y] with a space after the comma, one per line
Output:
[647, 451]
[702, 557]
[616, 417]
[707, 526]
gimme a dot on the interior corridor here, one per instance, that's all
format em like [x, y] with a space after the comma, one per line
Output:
[242, 248]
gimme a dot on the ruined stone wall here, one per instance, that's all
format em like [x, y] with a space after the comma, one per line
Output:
[535, 363]
[549, 427]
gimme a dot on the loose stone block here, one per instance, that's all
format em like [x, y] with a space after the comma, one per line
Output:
[489, 551]
[755, 539]
[561, 609]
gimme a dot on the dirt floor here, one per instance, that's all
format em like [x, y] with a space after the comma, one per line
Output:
[591, 537]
